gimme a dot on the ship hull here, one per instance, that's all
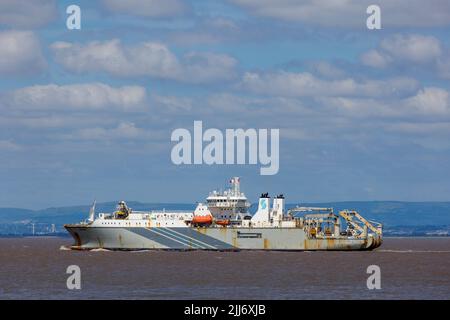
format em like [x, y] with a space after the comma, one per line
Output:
[221, 239]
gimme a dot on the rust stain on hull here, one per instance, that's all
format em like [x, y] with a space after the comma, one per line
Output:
[266, 244]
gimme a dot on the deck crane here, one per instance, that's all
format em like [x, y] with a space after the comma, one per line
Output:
[349, 216]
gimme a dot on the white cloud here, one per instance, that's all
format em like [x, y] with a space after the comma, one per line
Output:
[226, 103]
[351, 107]
[172, 103]
[305, 84]
[96, 96]
[7, 145]
[352, 13]
[144, 59]
[146, 8]
[153, 59]
[327, 70]
[410, 50]
[124, 130]
[53, 120]
[27, 14]
[375, 59]
[201, 67]
[431, 101]
[20, 53]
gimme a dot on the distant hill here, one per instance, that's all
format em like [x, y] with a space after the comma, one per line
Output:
[62, 215]
[15, 214]
[390, 213]
[396, 213]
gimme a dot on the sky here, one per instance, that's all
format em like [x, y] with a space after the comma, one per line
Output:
[88, 114]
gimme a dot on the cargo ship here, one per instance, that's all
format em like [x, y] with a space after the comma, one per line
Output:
[224, 223]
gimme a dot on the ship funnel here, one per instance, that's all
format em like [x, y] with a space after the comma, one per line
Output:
[278, 207]
[263, 204]
[235, 184]
[263, 208]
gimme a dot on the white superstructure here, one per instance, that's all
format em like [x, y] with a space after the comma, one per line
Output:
[229, 204]
[144, 219]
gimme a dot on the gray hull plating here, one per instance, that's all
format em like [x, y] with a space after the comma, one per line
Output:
[139, 238]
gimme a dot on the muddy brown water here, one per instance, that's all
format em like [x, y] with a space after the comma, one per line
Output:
[411, 268]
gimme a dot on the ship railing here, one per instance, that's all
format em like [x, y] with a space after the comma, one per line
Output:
[169, 212]
[227, 205]
[298, 210]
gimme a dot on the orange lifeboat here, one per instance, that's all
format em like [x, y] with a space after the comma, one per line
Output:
[202, 216]
[202, 220]
[223, 222]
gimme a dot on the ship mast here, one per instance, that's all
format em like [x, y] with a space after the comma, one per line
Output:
[235, 185]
